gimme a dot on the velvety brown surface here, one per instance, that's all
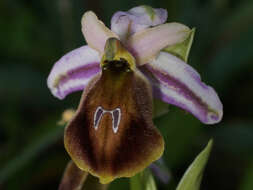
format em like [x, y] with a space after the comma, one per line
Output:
[136, 143]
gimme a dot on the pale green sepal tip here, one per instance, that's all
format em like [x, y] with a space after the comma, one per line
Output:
[193, 175]
[150, 11]
[182, 49]
[143, 180]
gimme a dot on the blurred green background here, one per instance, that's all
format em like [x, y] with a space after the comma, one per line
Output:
[36, 33]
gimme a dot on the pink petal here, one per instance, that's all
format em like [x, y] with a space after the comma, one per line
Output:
[146, 44]
[95, 32]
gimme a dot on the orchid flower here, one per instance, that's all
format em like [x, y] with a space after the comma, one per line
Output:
[112, 134]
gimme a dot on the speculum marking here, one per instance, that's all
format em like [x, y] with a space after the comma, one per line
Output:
[115, 114]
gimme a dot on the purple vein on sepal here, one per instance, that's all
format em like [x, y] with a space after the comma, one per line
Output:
[158, 78]
[85, 73]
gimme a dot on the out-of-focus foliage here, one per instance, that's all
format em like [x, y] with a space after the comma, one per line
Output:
[36, 33]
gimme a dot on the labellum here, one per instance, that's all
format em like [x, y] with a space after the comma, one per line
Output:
[112, 134]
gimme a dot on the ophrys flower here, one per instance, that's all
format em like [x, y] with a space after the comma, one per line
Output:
[112, 134]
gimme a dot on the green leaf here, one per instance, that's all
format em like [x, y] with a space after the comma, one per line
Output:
[182, 49]
[193, 176]
[143, 180]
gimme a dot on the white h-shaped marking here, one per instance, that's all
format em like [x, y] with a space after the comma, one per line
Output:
[115, 113]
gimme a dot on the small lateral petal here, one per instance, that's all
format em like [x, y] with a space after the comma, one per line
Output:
[95, 32]
[146, 44]
[73, 71]
[177, 83]
[136, 19]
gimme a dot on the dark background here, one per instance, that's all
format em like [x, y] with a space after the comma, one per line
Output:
[36, 33]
